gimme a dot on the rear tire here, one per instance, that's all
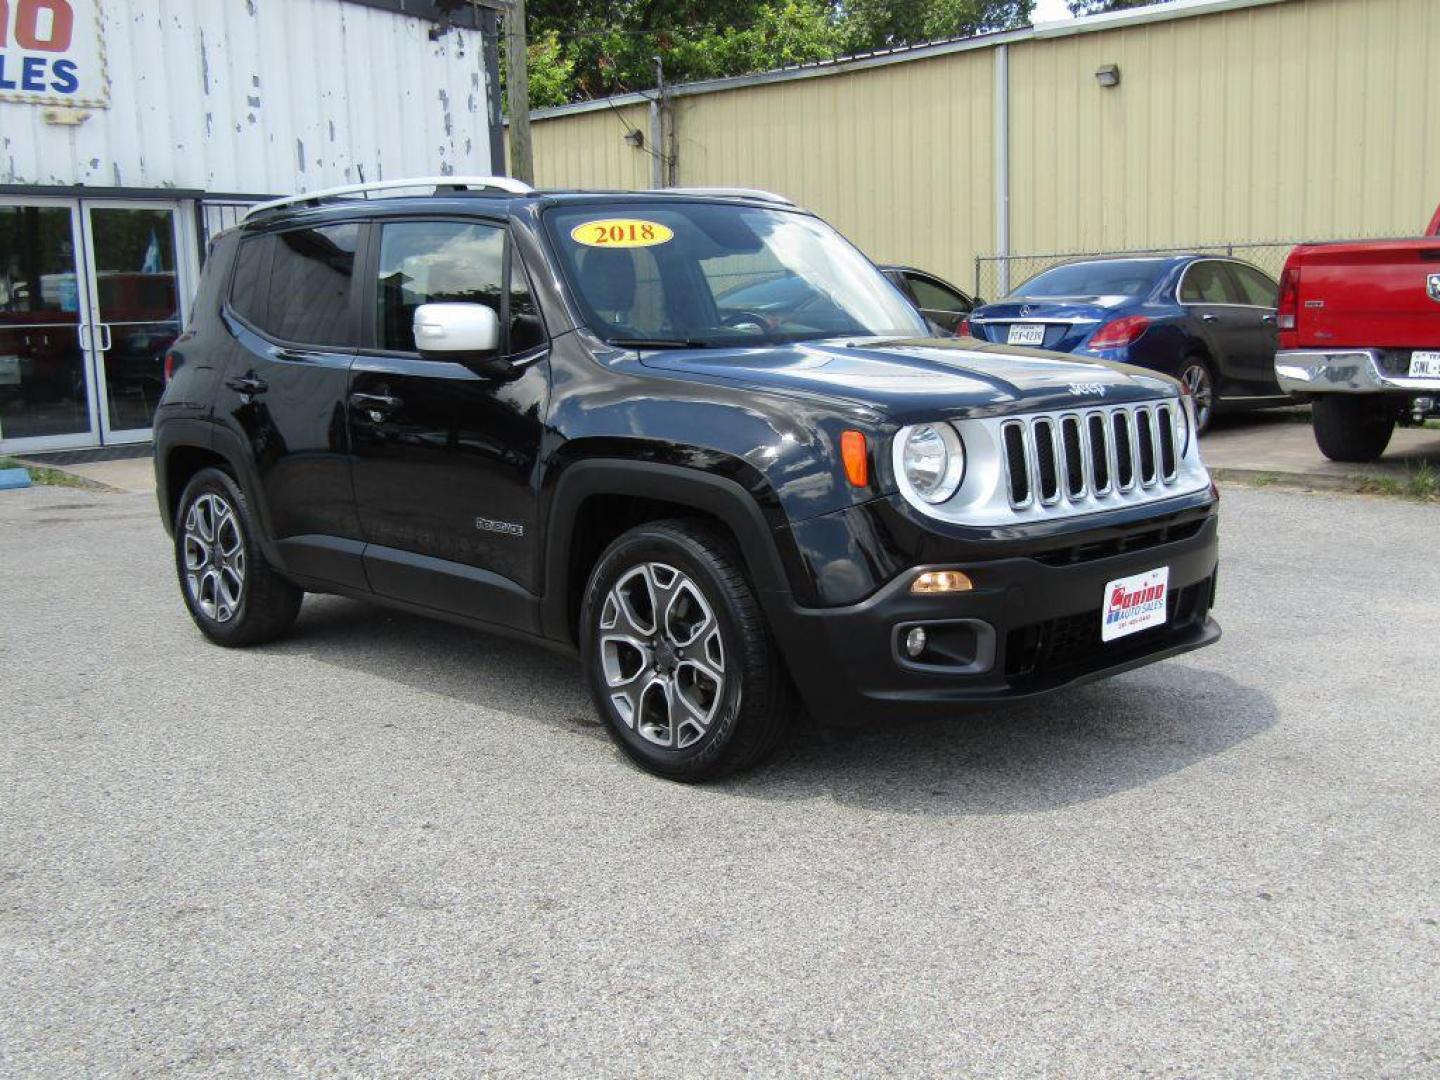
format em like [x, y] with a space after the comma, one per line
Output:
[1353, 428]
[1198, 378]
[231, 592]
[680, 662]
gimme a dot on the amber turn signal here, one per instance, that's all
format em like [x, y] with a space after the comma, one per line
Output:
[856, 458]
[941, 581]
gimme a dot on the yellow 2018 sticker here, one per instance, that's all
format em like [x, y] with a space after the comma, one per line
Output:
[621, 233]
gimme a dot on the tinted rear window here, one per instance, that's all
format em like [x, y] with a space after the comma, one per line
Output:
[246, 292]
[309, 289]
[1128, 277]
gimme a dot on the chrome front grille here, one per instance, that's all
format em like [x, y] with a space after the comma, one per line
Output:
[1086, 455]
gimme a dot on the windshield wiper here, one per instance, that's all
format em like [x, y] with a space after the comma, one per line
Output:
[659, 343]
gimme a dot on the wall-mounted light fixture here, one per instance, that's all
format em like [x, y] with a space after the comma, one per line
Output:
[636, 138]
[1108, 75]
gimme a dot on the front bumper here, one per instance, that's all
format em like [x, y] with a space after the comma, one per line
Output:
[1347, 371]
[1033, 624]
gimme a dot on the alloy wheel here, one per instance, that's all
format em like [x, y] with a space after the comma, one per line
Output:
[214, 551]
[662, 655]
[1196, 378]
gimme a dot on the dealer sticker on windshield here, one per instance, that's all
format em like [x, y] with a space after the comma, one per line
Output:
[621, 233]
[1134, 603]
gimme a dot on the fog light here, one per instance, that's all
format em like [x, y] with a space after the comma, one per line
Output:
[915, 641]
[941, 581]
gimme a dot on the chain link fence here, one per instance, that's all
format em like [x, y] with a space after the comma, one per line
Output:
[997, 275]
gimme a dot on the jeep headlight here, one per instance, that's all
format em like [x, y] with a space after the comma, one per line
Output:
[1182, 422]
[931, 461]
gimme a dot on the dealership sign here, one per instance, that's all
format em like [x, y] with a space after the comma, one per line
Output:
[52, 53]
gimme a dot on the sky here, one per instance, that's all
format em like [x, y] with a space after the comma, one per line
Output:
[1050, 10]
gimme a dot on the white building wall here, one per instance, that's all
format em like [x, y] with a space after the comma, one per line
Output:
[261, 97]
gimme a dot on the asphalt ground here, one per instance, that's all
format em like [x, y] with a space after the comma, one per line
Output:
[390, 846]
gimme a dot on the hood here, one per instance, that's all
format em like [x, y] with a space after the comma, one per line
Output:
[922, 379]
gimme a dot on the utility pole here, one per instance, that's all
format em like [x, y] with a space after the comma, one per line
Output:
[517, 90]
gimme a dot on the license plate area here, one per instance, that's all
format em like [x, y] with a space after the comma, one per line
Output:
[1134, 603]
[1425, 365]
[1026, 334]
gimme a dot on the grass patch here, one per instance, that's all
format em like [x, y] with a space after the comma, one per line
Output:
[41, 475]
[1421, 484]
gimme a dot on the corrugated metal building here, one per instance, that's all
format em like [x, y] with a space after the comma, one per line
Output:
[131, 128]
[1232, 122]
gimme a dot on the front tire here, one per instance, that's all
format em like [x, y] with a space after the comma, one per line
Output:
[681, 664]
[231, 592]
[1355, 428]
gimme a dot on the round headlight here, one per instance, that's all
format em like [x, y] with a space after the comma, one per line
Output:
[932, 461]
[1182, 423]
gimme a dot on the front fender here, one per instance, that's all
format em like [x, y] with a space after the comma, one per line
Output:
[725, 489]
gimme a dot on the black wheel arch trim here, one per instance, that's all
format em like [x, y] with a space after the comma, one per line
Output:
[761, 544]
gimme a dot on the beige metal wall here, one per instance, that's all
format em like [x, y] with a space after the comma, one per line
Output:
[1301, 119]
[589, 149]
[1312, 118]
[900, 158]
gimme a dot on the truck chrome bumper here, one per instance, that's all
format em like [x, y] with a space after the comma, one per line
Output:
[1342, 371]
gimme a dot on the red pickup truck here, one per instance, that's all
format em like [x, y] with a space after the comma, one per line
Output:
[1359, 330]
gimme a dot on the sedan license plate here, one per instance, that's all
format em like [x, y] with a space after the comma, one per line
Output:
[1026, 334]
[1134, 603]
[1425, 365]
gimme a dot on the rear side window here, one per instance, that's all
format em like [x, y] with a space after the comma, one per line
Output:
[935, 297]
[1255, 287]
[246, 288]
[1205, 283]
[425, 262]
[308, 295]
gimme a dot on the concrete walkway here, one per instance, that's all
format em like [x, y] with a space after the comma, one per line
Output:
[128, 475]
[1278, 444]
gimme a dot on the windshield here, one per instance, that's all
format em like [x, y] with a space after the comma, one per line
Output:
[1120, 277]
[702, 274]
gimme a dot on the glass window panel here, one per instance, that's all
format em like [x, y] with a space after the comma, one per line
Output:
[935, 297]
[42, 382]
[1206, 283]
[1255, 287]
[527, 329]
[37, 266]
[309, 288]
[135, 371]
[134, 264]
[246, 288]
[423, 262]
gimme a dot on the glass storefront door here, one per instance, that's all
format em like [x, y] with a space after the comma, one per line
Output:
[91, 296]
[45, 336]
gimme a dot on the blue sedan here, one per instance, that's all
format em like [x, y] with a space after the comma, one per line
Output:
[1208, 321]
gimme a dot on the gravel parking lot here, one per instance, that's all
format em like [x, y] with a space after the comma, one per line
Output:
[393, 846]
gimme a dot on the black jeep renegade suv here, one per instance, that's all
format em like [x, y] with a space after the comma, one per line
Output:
[544, 414]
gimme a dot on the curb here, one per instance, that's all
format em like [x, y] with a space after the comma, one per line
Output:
[78, 481]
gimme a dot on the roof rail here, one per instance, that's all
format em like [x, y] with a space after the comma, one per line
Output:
[458, 183]
[731, 192]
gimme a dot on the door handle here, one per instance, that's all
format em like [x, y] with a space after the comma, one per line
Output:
[378, 406]
[249, 384]
[1207, 317]
[109, 341]
[86, 335]
[1268, 319]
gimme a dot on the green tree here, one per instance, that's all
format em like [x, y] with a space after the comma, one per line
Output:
[610, 50]
[1096, 7]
